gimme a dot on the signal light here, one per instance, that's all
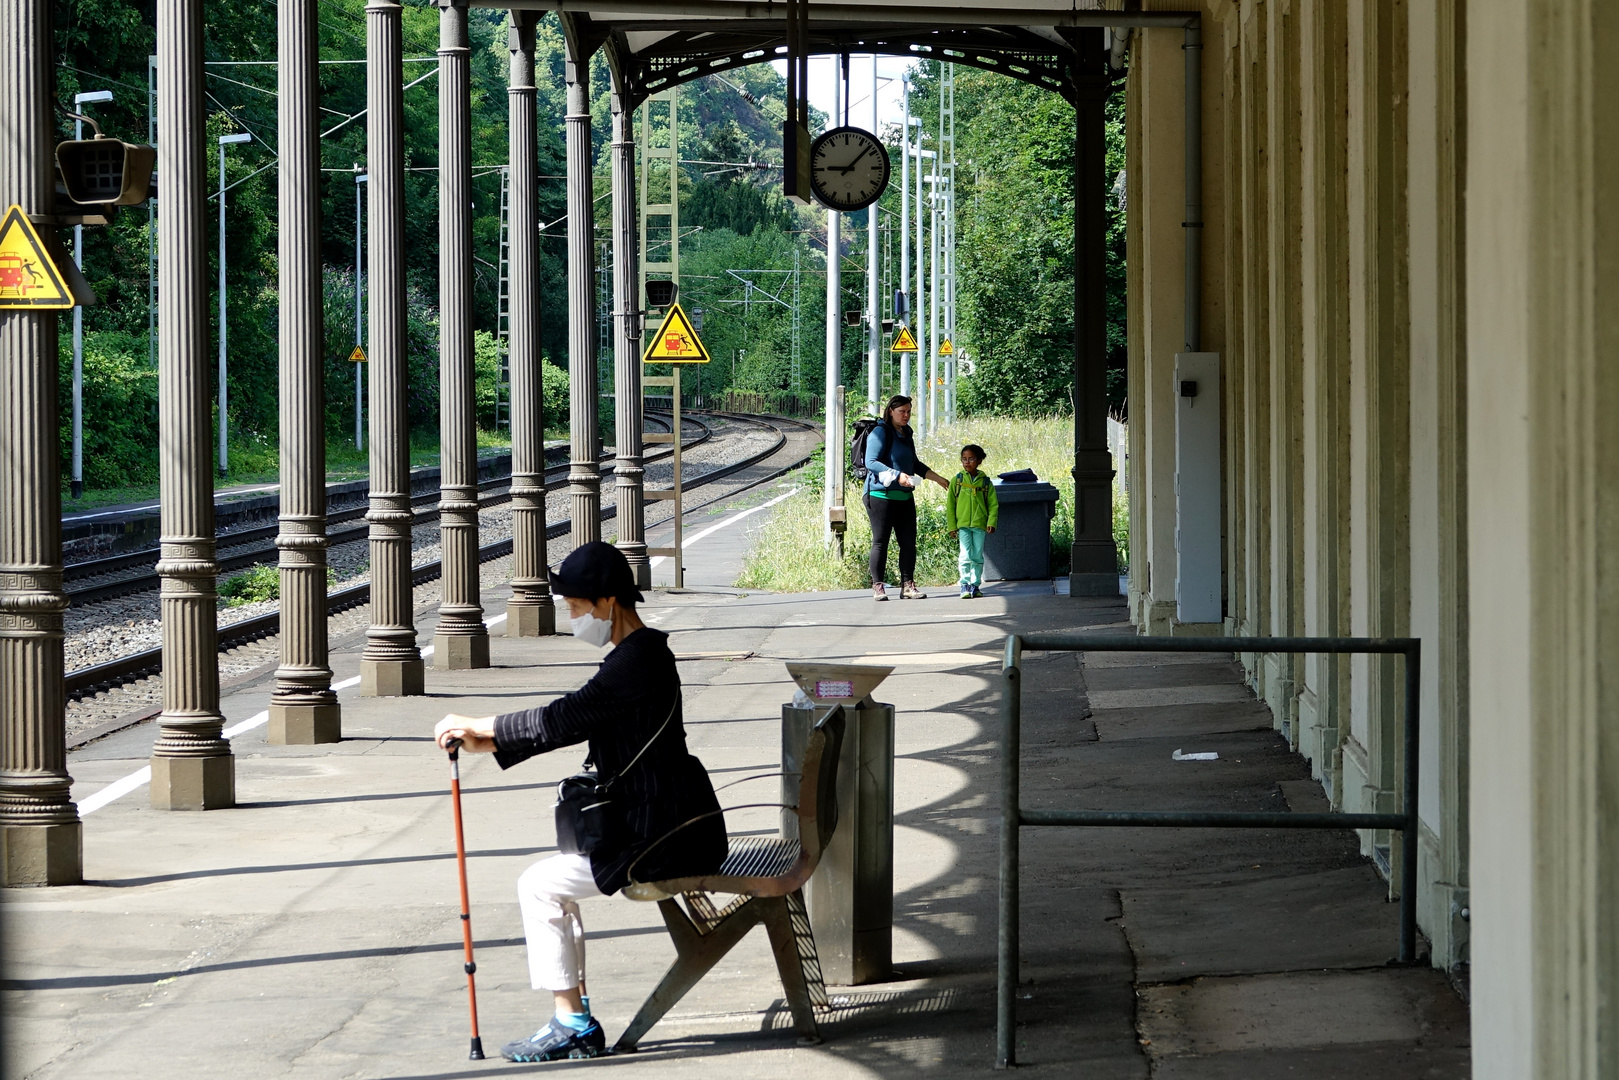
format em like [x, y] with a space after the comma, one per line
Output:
[101, 171]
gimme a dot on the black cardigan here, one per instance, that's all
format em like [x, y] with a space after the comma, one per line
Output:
[617, 712]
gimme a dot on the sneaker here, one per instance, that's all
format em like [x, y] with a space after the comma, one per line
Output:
[909, 591]
[878, 592]
[555, 1041]
[978, 594]
[966, 593]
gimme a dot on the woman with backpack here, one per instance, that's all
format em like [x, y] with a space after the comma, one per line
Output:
[892, 473]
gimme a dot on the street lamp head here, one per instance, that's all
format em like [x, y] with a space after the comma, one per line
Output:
[231, 140]
[93, 97]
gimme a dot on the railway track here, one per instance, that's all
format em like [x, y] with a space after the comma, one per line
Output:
[113, 673]
[124, 584]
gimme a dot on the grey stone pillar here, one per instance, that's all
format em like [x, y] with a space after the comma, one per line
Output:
[461, 640]
[39, 825]
[584, 475]
[1094, 570]
[391, 665]
[192, 766]
[531, 611]
[627, 471]
[303, 707]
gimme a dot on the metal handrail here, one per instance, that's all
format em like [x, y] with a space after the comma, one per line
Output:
[1014, 816]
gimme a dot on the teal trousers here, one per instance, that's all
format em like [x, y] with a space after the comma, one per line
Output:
[971, 560]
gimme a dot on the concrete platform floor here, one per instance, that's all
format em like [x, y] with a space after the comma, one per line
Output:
[312, 930]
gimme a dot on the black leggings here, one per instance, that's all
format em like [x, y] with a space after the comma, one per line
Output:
[900, 516]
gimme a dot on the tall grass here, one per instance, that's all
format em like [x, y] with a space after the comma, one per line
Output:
[790, 557]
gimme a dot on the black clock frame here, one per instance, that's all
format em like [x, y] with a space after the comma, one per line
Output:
[888, 168]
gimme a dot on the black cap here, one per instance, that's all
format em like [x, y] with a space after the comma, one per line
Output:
[596, 571]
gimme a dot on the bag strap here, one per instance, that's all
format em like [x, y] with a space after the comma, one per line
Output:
[648, 745]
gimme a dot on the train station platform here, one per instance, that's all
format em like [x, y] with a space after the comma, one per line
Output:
[312, 930]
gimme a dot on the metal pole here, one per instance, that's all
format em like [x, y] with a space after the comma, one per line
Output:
[905, 224]
[874, 298]
[390, 665]
[584, 476]
[628, 474]
[192, 765]
[359, 309]
[933, 284]
[834, 335]
[919, 300]
[1408, 838]
[461, 640]
[79, 101]
[38, 821]
[1194, 185]
[224, 423]
[1006, 967]
[531, 612]
[303, 707]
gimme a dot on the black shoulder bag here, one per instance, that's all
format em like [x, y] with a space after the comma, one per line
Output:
[583, 801]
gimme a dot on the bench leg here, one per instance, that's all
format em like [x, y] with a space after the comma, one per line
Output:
[695, 955]
[791, 962]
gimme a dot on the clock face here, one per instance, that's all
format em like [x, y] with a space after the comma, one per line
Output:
[848, 169]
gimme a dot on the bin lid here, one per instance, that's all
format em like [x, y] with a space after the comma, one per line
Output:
[1039, 491]
[829, 684]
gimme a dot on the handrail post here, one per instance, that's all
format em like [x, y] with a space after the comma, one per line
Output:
[1408, 845]
[1011, 809]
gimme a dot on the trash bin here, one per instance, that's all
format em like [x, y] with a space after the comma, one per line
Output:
[1020, 547]
[851, 893]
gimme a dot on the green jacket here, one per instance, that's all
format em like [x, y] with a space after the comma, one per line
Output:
[971, 503]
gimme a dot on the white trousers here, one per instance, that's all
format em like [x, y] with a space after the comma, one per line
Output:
[547, 893]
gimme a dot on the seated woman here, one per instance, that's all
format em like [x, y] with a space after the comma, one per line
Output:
[630, 715]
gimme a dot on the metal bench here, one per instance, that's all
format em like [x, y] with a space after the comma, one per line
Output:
[765, 877]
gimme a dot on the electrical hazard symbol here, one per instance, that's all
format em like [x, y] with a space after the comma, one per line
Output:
[947, 349]
[904, 342]
[28, 277]
[676, 341]
[358, 355]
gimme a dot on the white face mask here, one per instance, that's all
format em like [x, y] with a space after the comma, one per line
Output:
[589, 628]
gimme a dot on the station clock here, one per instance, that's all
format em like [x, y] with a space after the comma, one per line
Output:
[848, 169]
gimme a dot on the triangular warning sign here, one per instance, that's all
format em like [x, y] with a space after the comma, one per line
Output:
[904, 342]
[358, 355]
[28, 277]
[947, 349]
[676, 341]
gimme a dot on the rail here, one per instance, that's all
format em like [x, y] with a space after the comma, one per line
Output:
[1014, 816]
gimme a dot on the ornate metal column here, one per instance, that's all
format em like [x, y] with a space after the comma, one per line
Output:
[1094, 570]
[39, 825]
[627, 470]
[391, 665]
[303, 708]
[462, 640]
[192, 766]
[531, 611]
[584, 476]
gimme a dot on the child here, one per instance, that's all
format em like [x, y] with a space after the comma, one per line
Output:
[970, 513]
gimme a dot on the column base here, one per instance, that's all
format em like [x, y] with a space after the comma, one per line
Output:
[530, 620]
[1160, 617]
[392, 678]
[1093, 584]
[459, 652]
[305, 725]
[42, 854]
[193, 783]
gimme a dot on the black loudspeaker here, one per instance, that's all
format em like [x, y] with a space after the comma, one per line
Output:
[661, 293]
[106, 171]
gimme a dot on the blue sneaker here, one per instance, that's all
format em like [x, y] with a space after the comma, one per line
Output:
[966, 592]
[555, 1041]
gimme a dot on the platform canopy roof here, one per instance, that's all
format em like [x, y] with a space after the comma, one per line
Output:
[656, 44]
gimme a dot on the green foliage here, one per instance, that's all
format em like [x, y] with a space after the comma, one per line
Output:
[251, 586]
[554, 385]
[120, 409]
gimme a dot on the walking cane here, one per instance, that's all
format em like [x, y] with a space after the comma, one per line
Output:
[466, 907]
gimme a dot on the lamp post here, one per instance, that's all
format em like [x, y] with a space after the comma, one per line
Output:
[359, 309]
[224, 423]
[79, 101]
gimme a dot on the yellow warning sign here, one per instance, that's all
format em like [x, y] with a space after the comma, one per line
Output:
[28, 277]
[904, 342]
[947, 349]
[358, 355]
[676, 342]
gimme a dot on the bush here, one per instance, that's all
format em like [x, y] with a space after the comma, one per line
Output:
[251, 586]
[120, 410]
